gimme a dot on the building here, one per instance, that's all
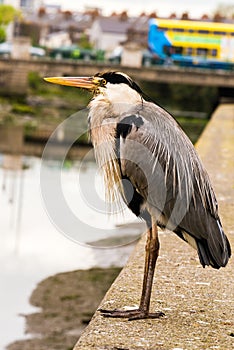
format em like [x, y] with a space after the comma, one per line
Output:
[48, 25]
[24, 6]
[106, 33]
[31, 5]
[14, 3]
[56, 39]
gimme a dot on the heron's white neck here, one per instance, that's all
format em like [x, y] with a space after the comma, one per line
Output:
[105, 108]
[117, 99]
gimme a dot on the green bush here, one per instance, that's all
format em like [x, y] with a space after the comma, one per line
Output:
[2, 34]
[34, 80]
[9, 119]
[30, 127]
[22, 109]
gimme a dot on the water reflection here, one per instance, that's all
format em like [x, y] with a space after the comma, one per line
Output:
[31, 248]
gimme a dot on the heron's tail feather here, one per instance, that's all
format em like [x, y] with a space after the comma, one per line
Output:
[215, 250]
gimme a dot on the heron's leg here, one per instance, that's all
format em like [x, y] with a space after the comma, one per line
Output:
[151, 255]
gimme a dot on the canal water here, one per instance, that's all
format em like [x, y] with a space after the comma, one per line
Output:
[34, 247]
[53, 219]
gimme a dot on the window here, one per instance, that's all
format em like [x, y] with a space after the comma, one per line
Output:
[219, 33]
[213, 52]
[178, 30]
[172, 50]
[178, 50]
[202, 52]
[168, 50]
[189, 51]
[203, 31]
[23, 3]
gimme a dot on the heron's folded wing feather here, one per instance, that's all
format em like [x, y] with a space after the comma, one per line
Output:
[163, 166]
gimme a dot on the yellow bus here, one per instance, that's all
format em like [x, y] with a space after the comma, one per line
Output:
[195, 43]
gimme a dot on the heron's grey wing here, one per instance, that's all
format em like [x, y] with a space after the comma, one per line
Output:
[167, 178]
[161, 163]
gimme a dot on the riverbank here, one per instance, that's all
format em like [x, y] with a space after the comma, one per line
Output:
[67, 302]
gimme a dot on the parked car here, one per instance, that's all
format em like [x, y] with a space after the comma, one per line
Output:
[150, 59]
[37, 51]
[116, 55]
[6, 49]
[73, 52]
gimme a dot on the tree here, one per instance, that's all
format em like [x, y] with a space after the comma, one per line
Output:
[185, 16]
[224, 10]
[153, 15]
[84, 42]
[173, 15]
[7, 15]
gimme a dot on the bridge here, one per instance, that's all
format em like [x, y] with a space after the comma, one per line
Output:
[14, 73]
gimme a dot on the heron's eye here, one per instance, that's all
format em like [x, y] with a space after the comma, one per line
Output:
[103, 82]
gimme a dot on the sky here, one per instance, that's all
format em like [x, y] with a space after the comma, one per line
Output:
[163, 8]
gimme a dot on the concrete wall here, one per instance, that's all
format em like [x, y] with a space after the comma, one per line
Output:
[21, 48]
[132, 56]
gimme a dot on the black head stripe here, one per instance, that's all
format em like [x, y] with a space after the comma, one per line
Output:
[119, 78]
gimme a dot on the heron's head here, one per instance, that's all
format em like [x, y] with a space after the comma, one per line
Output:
[115, 87]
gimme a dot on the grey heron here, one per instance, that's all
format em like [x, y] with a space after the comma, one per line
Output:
[159, 174]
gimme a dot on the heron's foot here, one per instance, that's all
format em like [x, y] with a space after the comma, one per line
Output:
[136, 314]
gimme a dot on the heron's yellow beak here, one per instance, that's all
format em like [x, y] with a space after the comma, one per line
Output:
[89, 83]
